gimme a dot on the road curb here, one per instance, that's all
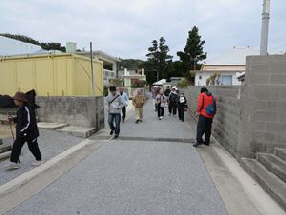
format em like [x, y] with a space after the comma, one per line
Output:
[152, 139]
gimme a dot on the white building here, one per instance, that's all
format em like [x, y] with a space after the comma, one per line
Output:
[109, 64]
[11, 47]
[227, 66]
[130, 76]
[14, 47]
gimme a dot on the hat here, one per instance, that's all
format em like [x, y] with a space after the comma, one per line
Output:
[174, 87]
[20, 96]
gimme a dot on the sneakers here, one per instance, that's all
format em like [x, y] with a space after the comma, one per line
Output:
[38, 163]
[111, 132]
[11, 166]
[197, 144]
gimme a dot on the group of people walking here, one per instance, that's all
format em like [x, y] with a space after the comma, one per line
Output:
[116, 102]
[176, 101]
[173, 99]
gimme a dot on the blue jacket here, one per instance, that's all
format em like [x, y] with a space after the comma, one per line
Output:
[125, 98]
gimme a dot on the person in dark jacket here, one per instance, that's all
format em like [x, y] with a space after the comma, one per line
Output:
[26, 131]
[173, 98]
[182, 101]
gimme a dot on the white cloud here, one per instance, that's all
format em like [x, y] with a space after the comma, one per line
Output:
[126, 28]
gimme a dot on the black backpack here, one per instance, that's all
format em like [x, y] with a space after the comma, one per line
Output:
[173, 97]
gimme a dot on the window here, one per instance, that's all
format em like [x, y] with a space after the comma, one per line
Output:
[226, 80]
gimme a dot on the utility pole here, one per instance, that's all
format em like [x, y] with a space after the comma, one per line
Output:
[92, 76]
[264, 27]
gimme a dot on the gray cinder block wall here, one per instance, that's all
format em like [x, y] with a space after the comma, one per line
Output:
[264, 112]
[85, 112]
[250, 118]
[226, 121]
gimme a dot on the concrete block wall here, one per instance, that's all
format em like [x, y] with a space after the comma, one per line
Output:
[226, 122]
[266, 104]
[85, 112]
[250, 118]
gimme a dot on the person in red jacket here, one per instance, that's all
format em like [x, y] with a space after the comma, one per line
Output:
[206, 109]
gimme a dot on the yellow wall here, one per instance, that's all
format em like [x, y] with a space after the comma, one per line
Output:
[55, 75]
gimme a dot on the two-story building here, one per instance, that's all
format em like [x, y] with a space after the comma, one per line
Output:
[109, 64]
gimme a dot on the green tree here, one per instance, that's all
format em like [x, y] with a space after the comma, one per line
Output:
[53, 46]
[193, 52]
[130, 64]
[158, 61]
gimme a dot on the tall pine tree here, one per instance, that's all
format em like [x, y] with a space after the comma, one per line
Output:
[193, 52]
[158, 61]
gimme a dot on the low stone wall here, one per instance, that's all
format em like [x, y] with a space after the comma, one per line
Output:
[76, 111]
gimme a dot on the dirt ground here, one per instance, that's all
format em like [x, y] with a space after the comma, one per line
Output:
[5, 131]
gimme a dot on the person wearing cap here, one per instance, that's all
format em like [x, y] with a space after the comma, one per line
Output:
[206, 109]
[173, 102]
[26, 131]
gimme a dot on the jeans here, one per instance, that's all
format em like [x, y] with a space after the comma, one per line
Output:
[117, 118]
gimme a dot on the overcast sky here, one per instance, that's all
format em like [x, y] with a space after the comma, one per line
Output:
[126, 28]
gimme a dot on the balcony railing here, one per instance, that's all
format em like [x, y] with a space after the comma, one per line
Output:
[107, 74]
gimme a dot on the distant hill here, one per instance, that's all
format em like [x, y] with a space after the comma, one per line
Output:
[26, 39]
[130, 64]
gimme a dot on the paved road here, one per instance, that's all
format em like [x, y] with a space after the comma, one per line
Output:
[134, 177]
[51, 144]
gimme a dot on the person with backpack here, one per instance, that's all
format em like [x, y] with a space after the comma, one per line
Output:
[206, 109]
[114, 104]
[167, 91]
[26, 131]
[173, 102]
